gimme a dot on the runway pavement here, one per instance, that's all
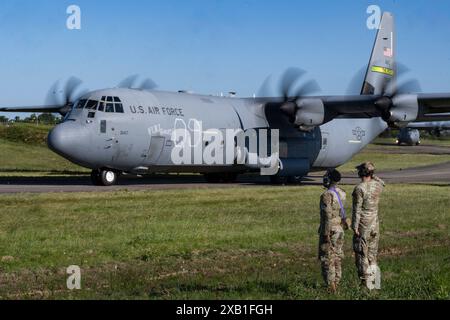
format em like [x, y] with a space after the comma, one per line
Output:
[434, 174]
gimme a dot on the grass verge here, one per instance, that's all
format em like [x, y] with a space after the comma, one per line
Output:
[239, 243]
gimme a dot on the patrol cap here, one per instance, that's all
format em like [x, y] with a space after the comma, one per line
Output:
[334, 175]
[367, 168]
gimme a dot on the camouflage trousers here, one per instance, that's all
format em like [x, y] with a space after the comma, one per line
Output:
[366, 252]
[331, 255]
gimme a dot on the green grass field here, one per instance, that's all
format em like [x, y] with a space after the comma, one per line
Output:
[24, 152]
[20, 159]
[385, 162]
[237, 243]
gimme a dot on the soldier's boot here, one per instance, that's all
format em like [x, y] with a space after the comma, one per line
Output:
[336, 284]
[363, 286]
[332, 288]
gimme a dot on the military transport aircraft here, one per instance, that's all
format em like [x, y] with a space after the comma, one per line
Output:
[128, 129]
[411, 134]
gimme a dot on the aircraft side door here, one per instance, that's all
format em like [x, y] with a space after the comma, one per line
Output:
[157, 144]
[106, 138]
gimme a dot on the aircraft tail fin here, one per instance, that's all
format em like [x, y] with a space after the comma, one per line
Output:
[382, 67]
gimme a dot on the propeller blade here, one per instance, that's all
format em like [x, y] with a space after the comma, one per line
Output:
[65, 94]
[52, 95]
[265, 89]
[70, 89]
[309, 88]
[356, 83]
[129, 82]
[288, 81]
[132, 82]
[148, 84]
[411, 86]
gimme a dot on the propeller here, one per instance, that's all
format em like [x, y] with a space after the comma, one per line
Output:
[396, 103]
[290, 92]
[133, 82]
[396, 91]
[65, 94]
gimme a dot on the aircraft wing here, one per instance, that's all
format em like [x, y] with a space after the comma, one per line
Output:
[433, 107]
[441, 125]
[404, 108]
[34, 109]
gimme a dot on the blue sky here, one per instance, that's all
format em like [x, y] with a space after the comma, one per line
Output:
[210, 46]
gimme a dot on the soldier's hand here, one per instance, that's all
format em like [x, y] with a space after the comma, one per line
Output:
[345, 224]
[356, 233]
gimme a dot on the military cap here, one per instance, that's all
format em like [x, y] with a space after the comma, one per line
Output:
[366, 167]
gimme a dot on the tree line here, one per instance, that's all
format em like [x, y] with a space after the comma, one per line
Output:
[43, 118]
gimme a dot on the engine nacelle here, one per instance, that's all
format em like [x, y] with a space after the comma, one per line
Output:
[310, 113]
[405, 109]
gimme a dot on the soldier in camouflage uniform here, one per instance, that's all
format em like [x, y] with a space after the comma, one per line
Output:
[331, 231]
[365, 221]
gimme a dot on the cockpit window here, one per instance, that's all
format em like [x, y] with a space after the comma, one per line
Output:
[91, 105]
[81, 104]
[119, 108]
[109, 107]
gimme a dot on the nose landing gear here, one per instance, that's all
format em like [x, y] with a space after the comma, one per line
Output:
[104, 177]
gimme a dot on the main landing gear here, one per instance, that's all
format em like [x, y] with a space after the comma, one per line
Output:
[104, 177]
[220, 177]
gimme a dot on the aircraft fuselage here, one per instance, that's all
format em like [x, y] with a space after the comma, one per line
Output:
[132, 131]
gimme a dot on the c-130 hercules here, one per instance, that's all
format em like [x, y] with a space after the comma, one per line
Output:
[126, 130]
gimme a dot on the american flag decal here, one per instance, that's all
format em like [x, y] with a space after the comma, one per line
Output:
[388, 52]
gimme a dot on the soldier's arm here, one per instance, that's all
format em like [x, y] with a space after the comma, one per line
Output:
[357, 208]
[327, 200]
[378, 179]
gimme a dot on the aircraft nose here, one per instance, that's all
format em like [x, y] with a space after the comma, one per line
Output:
[69, 140]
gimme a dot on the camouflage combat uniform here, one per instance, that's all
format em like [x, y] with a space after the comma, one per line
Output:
[331, 253]
[366, 197]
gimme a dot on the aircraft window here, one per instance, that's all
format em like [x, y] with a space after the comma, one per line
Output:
[91, 105]
[101, 106]
[119, 108]
[104, 98]
[109, 107]
[109, 99]
[81, 104]
[116, 99]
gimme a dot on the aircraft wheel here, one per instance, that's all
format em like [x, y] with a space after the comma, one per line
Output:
[295, 180]
[95, 177]
[104, 177]
[279, 180]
